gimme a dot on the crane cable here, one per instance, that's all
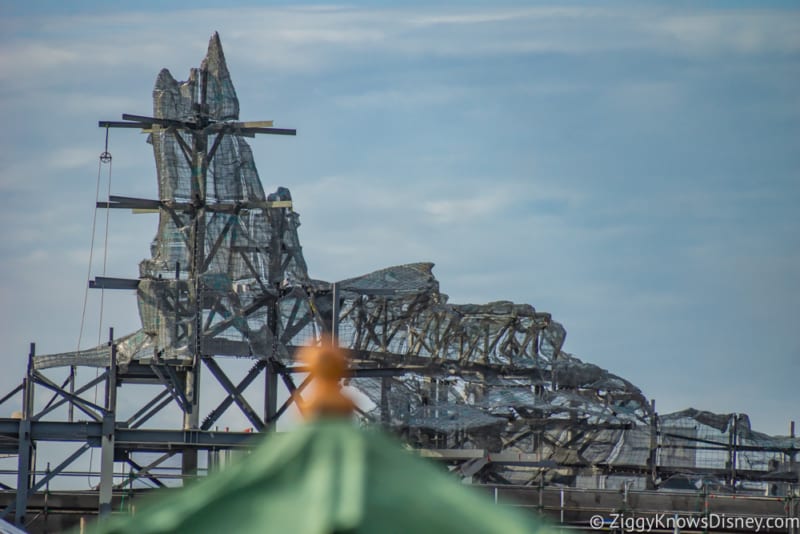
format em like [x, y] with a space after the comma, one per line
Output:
[105, 159]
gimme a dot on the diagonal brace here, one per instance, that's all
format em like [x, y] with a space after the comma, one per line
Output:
[60, 467]
[141, 472]
[52, 406]
[134, 420]
[233, 391]
[83, 405]
[12, 393]
[174, 389]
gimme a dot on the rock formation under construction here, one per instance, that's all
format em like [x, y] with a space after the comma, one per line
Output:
[227, 277]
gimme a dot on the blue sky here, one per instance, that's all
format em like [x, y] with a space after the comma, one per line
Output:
[631, 168]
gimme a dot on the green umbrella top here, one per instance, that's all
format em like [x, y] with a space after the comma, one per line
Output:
[328, 476]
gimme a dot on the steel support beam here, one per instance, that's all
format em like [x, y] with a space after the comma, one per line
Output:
[386, 387]
[25, 460]
[125, 438]
[270, 395]
[334, 315]
[24, 469]
[107, 439]
[197, 260]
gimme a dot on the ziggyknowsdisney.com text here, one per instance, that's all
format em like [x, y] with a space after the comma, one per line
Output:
[628, 523]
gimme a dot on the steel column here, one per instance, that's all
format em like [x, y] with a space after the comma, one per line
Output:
[270, 395]
[25, 461]
[107, 440]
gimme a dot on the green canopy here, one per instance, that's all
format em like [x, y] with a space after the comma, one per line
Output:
[325, 477]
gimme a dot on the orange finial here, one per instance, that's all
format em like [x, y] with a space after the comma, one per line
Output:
[327, 365]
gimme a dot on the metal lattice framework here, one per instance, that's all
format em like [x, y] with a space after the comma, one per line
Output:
[486, 387]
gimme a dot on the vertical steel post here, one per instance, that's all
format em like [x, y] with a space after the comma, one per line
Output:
[653, 457]
[177, 301]
[385, 327]
[25, 467]
[275, 278]
[46, 493]
[386, 388]
[732, 451]
[71, 412]
[191, 416]
[441, 400]
[334, 314]
[541, 495]
[270, 395]
[794, 508]
[107, 440]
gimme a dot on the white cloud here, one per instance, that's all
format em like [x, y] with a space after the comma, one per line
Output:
[453, 210]
[79, 157]
[307, 39]
[411, 98]
[483, 16]
[740, 31]
[33, 58]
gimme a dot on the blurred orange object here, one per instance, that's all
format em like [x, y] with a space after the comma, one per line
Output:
[328, 365]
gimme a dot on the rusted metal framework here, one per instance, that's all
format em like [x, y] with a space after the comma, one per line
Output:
[487, 388]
